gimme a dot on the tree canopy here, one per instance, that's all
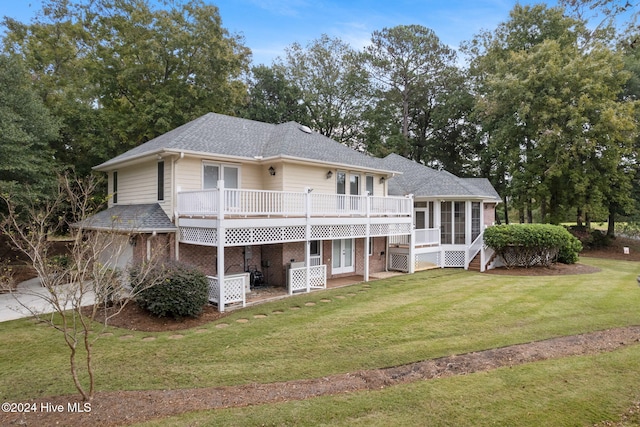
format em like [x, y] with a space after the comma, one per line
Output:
[27, 167]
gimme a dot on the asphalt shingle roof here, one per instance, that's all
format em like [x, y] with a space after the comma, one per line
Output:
[423, 181]
[142, 218]
[232, 136]
[217, 134]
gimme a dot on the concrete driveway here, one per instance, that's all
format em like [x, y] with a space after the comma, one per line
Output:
[32, 295]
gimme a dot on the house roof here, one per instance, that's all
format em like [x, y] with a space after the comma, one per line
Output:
[232, 136]
[423, 181]
[144, 218]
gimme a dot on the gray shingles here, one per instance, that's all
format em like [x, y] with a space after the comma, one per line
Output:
[218, 134]
[423, 181]
[143, 218]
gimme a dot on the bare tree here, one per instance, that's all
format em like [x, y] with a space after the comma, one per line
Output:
[81, 286]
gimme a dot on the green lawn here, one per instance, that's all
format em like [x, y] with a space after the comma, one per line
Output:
[392, 322]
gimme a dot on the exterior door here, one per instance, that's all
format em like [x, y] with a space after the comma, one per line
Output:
[343, 256]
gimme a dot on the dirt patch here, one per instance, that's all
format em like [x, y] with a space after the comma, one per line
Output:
[128, 407]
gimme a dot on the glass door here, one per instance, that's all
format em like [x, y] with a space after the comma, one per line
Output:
[343, 256]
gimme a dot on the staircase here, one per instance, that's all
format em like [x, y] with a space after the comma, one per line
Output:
[474, 265]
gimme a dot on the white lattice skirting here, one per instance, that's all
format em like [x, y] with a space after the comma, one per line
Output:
[234, 290]
[454, 258]
[283, 234]
[399, 262]
[297, 278]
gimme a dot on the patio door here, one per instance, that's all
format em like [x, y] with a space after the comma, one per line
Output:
[343, 254]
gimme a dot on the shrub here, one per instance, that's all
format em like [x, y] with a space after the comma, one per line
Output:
[568, 253]
[171, 290]
[527, 245]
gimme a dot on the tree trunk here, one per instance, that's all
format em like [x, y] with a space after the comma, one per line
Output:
[611, 226]
[579, 217]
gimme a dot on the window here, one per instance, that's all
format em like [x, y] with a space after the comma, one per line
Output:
[161, 180]
[341, 180]
[475, 220]
[431, 215]
[115, 186]
[446, 224]
[452, 223]
[354, 184]
[315, 252]
[212, 172]
[459, 224]
[369, 184]
[370, 246]
[420, 222]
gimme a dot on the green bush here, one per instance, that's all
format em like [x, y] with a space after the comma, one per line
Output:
[527, 245]
[171, 290]
[568, 253]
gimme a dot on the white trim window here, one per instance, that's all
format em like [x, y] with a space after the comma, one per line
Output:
[212, 172]
[453, 222]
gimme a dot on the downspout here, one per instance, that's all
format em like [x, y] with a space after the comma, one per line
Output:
[174, 204]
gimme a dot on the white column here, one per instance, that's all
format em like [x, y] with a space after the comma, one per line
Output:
[307, 246]
[220, 246]
[412, 240]
[366, 239]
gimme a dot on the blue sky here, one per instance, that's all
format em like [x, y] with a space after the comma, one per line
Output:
[268, 26]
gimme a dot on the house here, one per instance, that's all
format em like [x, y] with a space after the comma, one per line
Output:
[450, 214]
[245, 200]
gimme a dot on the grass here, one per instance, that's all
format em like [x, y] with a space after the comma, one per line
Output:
[391, 322]
[567, 392]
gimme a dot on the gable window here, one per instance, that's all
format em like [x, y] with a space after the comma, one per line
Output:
[115, 186]
[161, 180]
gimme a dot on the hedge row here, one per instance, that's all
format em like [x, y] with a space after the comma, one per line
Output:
[527, 245]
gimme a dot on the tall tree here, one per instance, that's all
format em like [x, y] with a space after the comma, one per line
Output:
[120, 72]
[27, 165]
[54, 49]
[549, 107]
[272, 98]
[158, 69]
[414, 73]
[333, 84]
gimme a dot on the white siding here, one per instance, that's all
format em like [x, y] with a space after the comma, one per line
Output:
[138, 184]
[297, 176]
[189, 174]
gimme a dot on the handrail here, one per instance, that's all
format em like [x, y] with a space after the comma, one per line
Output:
[280, 203]
[474, 249]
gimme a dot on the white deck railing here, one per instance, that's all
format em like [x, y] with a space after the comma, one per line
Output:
[426, 236]
[197, 202]
[281, 203]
